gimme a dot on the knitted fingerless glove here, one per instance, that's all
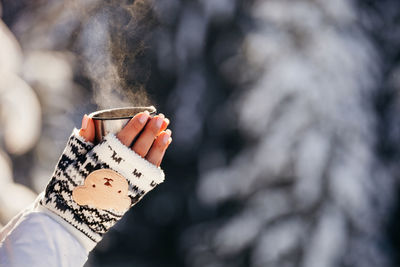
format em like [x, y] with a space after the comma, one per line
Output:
[93, 186]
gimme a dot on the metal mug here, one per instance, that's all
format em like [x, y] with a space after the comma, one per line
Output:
[113, 120]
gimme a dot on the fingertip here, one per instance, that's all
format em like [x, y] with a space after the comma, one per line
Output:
[143, 117]
[87, 130]
[164, 125]
[164, 138]
[166, 121]
[91, 130]
[85, 121]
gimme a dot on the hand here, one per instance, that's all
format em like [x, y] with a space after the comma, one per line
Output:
[83, 165]
[152, 142]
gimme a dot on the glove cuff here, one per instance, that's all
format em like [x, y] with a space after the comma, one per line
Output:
[138, 171]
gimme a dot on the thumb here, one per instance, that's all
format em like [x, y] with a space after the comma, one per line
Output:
[87, 129]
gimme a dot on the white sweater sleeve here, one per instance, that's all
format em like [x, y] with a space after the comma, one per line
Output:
[33, 238]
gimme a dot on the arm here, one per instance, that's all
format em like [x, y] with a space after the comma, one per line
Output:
[67, 224]
[39, 240]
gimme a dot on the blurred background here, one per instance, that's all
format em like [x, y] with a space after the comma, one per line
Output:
[284, 117]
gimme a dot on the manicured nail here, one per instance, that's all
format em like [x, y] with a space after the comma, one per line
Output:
[146, 112]
[169, 141]
[159, 122]
[166, 136]
[85, 122]
[143, 117]
[161, 115]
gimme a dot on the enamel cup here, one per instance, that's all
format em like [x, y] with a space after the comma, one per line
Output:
[113, 120]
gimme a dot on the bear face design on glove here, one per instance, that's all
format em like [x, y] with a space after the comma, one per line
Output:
[103, 189]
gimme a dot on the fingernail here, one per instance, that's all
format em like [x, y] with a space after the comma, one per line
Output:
[165, 139]
[85, 122]
[169, 141]
[166, 136]
[143, 117]
[159, 122]
[146, 112]
[161, 115]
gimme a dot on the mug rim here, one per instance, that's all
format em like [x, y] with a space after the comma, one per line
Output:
[127, 113]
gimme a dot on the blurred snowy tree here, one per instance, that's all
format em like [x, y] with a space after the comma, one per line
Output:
[311, 190]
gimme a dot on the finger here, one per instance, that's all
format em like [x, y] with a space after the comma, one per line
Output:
[87, 129]
[164, 125]
[133, 128]
[160, 145]
[146, 138]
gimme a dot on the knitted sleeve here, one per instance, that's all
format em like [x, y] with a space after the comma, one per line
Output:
[93, 186]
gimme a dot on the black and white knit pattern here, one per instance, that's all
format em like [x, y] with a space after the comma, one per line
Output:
[78, 160]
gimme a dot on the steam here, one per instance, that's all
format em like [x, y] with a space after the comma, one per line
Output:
[109, 59]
